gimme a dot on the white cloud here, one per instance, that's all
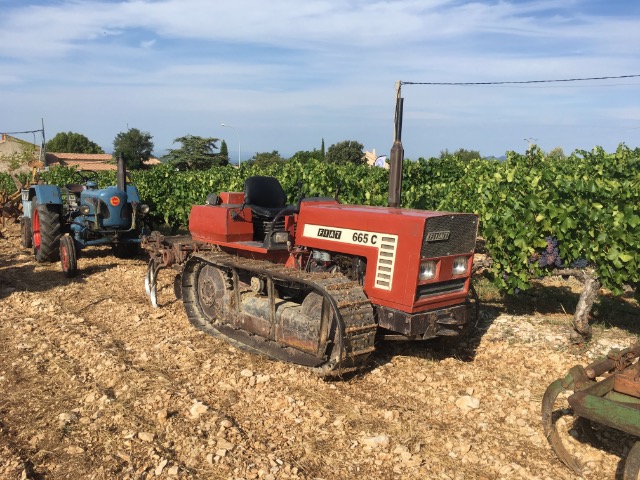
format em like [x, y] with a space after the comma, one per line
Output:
[314, 68]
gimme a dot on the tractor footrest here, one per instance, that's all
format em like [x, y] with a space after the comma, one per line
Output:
[451, 321]
[446, 332]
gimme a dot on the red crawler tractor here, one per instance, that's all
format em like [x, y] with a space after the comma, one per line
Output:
[319, 283]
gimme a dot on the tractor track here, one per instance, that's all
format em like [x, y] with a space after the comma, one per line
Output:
[355, 327]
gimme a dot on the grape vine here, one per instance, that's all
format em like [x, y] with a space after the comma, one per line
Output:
[579, 211]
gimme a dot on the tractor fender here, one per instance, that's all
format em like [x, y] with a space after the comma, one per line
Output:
[47, 194]
[132, 194]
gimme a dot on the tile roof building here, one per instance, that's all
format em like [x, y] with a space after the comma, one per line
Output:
[88, 161]
[96, 162]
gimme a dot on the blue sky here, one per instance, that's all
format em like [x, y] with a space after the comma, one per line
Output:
[286, 74]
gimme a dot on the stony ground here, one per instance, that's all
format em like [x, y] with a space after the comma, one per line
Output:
[95, 383]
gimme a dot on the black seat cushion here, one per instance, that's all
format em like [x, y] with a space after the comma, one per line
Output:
[75, 187]
[264, 195]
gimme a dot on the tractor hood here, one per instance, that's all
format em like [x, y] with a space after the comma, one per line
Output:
[394, 242]
[112, 205]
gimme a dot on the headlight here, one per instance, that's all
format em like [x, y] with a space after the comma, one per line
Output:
[144, 208]
[460, 265]
[427, 270]
[281, 237]
[84, 209]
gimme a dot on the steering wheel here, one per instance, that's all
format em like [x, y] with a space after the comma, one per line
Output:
[85, 175]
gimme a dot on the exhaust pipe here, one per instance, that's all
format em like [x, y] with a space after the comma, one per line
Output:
[397, 154]
[122, 174]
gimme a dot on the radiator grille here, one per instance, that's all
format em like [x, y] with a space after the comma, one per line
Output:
[449, 235]
[441, 288]
[386, 261]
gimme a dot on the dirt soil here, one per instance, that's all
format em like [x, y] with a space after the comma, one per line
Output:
[95, 383]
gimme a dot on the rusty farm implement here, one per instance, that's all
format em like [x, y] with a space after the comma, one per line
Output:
[606, 392]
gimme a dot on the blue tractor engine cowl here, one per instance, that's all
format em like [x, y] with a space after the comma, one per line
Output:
[114, 207]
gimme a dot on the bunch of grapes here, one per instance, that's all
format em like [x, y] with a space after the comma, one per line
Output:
[579, 263]
[550, 256]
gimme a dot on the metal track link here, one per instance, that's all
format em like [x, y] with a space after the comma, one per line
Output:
[352, 313]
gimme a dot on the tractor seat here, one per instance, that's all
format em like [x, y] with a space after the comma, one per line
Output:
[75, 187]
[264, 196]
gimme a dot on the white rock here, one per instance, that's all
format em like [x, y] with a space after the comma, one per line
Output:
[246, 373]
[377, 441]
[66, 417]
[197, 409]
[160, 467]
[224, 445]
[74, 450]
[146, 436]
[467, 402]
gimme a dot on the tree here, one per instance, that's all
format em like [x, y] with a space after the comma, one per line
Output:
[224, 152]
[136, 146]
[461, 154]
[306, 155]
[196, 153]
[70, 142]
[266, 158]
[348, 151]
[322, 149]
[556, 154]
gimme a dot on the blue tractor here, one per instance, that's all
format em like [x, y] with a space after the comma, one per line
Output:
[58, 222]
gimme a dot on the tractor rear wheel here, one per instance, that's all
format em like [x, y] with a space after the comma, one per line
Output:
[46, 230]
[68, 258]
[26, 236]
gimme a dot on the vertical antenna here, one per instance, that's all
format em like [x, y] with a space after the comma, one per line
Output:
[397, 152]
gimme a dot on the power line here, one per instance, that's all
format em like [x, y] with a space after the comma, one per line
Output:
[17, 133]
[521, 82]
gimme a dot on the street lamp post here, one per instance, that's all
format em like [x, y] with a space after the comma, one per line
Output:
[232, 128]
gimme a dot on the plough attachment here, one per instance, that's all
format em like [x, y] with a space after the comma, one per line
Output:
[607, 392]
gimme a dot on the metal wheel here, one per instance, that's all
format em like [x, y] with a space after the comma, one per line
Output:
[210, 292]
[68, 258]
[151, 283]
[632, 464]
[550, 429]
